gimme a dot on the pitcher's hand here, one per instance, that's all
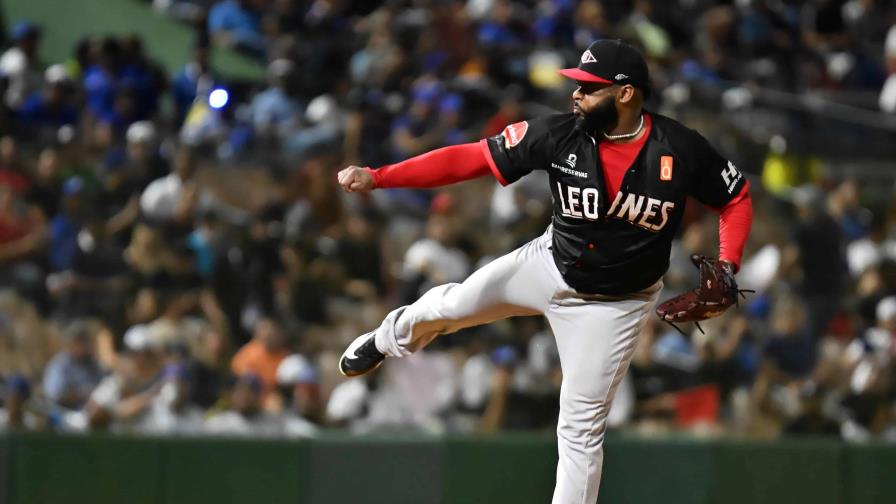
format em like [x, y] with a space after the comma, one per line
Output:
[355, 179]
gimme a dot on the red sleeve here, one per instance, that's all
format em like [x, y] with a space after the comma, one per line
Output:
[734, 227]
[444, 166]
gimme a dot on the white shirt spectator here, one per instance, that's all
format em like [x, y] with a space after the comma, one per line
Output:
[887, 99]
[159, 200]
[864, 253]
[347, 400]
[108, 393]
[758, 271]
[475, 380]
[162, 418]
[439, 263]
[22, 78]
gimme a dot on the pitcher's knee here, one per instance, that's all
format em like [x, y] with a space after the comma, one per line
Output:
[583, 423]
[446, 302]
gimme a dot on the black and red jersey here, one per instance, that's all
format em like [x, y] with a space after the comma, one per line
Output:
[620, 245]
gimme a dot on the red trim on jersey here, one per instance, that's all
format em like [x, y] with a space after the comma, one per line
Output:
[735, 220]
[444, 166]
[483, 146]
[617, 158]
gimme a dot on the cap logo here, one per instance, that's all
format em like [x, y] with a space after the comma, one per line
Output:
[621, 76]
[587, 57]
[514, 133]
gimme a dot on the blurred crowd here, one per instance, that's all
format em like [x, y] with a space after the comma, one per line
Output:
[175, 256]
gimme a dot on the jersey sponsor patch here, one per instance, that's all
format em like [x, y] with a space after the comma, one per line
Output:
[731, 177]
[666, 168]
[514, 133]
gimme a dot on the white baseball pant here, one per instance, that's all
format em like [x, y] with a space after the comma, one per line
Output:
[595, 337]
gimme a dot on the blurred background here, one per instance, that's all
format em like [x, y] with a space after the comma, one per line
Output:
[176, 257]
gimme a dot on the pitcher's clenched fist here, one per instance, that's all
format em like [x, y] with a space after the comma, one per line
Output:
[355, 179]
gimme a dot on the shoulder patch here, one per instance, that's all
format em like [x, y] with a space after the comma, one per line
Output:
[514, 133]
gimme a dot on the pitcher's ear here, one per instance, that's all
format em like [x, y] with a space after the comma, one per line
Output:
[626, 94]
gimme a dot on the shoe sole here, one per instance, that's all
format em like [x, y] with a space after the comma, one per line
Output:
[352, 374]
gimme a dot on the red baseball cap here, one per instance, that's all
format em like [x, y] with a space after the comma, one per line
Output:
[611, 61]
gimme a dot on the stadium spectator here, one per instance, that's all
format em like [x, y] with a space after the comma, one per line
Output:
[12, 172]
[144, 77]
[195, 80]
[73, 373]
[435, 259]
[122, 399]
[818, 249]
[19, 65]
[297, 376]
[22, 237]
[415, 132]
[44, 112]
[261, 357]
[237, 23]
[324, 124]
[14, 415]
[274, 112]
[174, 199]
[245, 417]
[887, 100]
[65, 226]
[172, 411]
[101, 80]
[45, 190]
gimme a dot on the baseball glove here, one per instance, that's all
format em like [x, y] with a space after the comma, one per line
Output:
[716, 293]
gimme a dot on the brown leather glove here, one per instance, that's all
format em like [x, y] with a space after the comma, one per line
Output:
[716, 293]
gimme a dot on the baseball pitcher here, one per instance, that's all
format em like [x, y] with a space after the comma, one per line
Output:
[620, 176]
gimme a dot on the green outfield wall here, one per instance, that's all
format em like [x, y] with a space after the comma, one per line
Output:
[509, 468]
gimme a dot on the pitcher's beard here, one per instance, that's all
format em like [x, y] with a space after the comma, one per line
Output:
[599, 120]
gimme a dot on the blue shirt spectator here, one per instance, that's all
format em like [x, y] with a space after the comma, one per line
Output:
[64, 227]
[273, 110]
[44, 109]
[793, 354]
[142, 83]
[63, 242]
[234, 21]
[100, 87]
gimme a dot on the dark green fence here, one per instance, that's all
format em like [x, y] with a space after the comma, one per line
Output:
[46, 469]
